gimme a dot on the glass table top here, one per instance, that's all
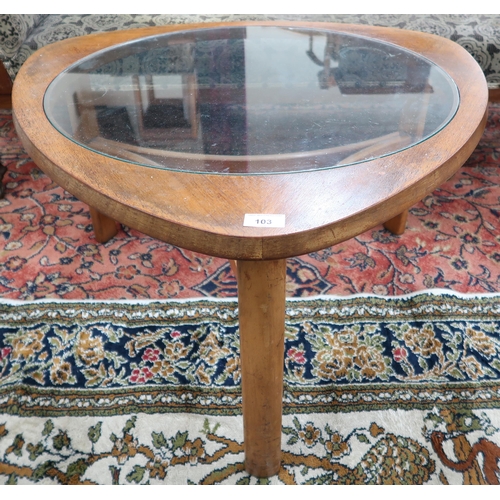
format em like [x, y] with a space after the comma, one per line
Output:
[251, 100]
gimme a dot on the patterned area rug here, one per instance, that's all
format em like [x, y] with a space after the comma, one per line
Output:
[47, 245]
[377, 391]
[119, 363]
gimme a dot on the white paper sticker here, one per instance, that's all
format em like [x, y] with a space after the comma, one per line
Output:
[264, 220]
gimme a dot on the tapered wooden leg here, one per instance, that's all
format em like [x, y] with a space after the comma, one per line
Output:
[104, 227]
[397, 225]
[261, 302]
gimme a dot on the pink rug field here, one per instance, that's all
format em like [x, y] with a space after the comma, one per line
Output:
[48, 249]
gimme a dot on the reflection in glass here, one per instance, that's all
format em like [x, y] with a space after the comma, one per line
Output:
[248, 100]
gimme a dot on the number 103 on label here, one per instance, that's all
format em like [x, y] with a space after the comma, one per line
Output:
[264, 220]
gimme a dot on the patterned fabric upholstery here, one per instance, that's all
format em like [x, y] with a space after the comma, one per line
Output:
[14, 30]
[21, 35]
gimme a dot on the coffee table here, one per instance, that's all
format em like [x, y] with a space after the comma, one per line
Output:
[254, 142]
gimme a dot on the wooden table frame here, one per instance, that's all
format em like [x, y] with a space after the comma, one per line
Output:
[201, 213]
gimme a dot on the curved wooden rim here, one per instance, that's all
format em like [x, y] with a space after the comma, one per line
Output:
[205, 213]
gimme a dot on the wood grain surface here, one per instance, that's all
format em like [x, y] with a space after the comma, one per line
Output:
[205, 212]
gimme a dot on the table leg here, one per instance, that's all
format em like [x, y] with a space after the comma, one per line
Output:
[104, 227]
[261, 303]
[397, 225]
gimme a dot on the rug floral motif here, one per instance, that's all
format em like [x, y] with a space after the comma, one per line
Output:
[402, 390]
[452, 241]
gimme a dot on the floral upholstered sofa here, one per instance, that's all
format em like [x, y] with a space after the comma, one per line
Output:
[22, 34]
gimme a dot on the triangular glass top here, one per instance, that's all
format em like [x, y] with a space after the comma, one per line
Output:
[251, 100]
